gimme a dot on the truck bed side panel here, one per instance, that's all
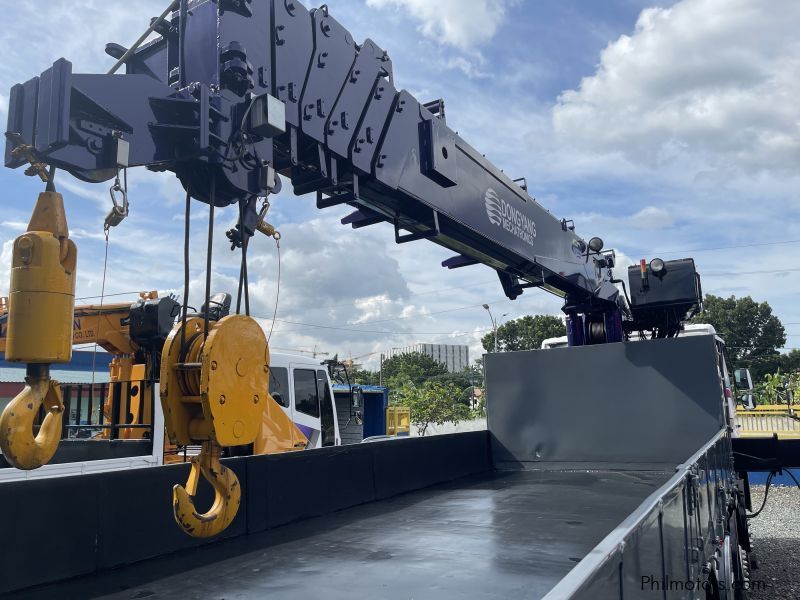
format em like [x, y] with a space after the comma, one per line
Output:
[629, 405]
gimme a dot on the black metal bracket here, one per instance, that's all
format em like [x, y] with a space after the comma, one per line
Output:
[363, 217]
[417, 235]
[324, 201]
[436, 107]
[511, 285]
[460, 261]
[339, 197]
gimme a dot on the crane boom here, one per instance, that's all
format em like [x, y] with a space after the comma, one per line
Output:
[274, 88]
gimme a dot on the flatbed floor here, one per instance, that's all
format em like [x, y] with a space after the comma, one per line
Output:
[503, 535]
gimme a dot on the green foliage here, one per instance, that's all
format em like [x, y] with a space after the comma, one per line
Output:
[773, 388]
[479, 410]
[431, 402]
[751, 332]
[774, 363]
[413, 377]
[413, 367]
[364, 377]
[526, 333]
[474, 373]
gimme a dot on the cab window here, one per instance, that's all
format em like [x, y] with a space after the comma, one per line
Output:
[306, 399]
[279, 385]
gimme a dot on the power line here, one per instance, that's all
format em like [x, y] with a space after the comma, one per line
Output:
[734, 273]
[430, 314]
[375, 331]
[355, 328]
[733, 247]
[487, 281]
[411, 295]
[109, 295]
[416, 294]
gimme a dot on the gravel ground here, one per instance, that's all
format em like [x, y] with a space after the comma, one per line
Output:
[776, 543]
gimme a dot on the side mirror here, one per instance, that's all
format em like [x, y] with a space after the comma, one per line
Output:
[743, 380]
[358, 397]
[748, 402]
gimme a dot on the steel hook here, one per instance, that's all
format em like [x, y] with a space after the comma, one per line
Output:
[227, 495]
[19, 446]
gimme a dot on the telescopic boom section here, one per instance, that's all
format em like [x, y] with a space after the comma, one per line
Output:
[324, 112]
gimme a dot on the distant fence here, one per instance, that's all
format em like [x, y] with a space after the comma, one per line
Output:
[767, 421]
[447, 428]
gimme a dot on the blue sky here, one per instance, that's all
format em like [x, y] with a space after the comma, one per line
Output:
[660, 126]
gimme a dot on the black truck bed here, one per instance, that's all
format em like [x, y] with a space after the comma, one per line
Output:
[502, 535]
[559, 485]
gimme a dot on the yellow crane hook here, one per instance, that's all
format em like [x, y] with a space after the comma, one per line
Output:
[227, 495]
[20, 448]
[40, 313]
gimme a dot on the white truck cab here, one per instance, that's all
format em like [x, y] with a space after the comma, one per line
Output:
[302, 388]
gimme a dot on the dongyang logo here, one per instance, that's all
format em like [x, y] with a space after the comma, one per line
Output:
[502, 214]
[493, 208]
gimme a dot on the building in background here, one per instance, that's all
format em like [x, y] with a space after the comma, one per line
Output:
[454, 357]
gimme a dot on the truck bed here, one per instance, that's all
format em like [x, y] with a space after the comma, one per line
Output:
[493, 536]
[562, 497]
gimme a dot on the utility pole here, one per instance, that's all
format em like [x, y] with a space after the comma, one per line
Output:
[494, 324]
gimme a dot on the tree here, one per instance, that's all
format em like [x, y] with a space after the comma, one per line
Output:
[751, 332]
[790, 363]
[364, 377]
[775, 387]
[432, 402]
[526, 333]
[775, 363]
[413, 367]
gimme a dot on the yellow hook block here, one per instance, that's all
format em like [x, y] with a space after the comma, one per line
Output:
[214, 391]
[227, 495]
[40, 314]
[19, 446]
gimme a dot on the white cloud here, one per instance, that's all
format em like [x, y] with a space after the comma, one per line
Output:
[15, 225]
[707, 83]
[616, 133]
[652, 217]
[470, 68]
[464, 24]
[5, 266]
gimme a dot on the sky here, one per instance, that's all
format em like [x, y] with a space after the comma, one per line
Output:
[669, 129]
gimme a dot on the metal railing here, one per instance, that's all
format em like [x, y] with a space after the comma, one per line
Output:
[767, 421]
[85, 415]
